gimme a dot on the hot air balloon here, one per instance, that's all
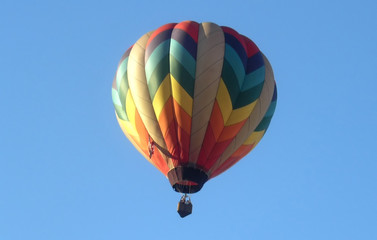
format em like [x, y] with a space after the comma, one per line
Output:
[193, 98]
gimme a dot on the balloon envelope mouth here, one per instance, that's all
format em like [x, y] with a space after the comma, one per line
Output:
[186, 179]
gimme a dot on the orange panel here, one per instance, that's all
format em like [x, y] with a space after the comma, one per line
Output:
[183, 131]
[143, 134]
[182, 118]
[240, 153]
[229, 132]
[157, 159]
[216, 120]
[184, 141]
[168, 128]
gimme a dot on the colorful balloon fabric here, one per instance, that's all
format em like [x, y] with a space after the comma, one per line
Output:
[194, 98]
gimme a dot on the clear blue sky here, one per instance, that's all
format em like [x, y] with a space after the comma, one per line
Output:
[67, 171]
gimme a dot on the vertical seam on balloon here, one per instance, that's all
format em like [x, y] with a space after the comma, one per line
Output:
[214, 82]
[241, 39]
[146, 98]
[213, 147]
[171, 89]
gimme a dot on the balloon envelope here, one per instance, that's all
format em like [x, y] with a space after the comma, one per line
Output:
[194, 98]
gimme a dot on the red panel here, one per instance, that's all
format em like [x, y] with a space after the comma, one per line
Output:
[190, 27]
[251, 47]
[229, 163]
[236, 35]
[216, 152]
[159, 30]
[236, 156]
[216, 121]
[213, 132]
[168, 127]
[209, 141]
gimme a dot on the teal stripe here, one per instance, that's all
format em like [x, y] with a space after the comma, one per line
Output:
[236, 63]
[118, 105]
[229, 77]
[121, 114]
[123, 90]
[183, 57]
[115, 96]
[122, 86]
[155, 58]
[157, 76]
[254, 78]
[263, 125]
[271, 109]
[248, 96]
[239, 98]
[183, 77]
[121, 71]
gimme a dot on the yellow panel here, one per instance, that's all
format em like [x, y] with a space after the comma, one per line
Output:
[162, 95]
[130, 108]
[128, 128]
[181, 96]
[256, 116]
[241, 114]
[255, 137]
[130, 137]
[224, 101]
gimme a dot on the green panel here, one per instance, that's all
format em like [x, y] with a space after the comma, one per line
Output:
[114, 94]
[248, 96]
[121, 71]
[271, 109]
[236, 63]
[229, 78]
[263, 125]
[158, 75]
[254, 78]
[118, 105]
[123, 90]
[121, 114]
[182, 76]
[183, 57]
[155, 58]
